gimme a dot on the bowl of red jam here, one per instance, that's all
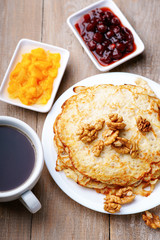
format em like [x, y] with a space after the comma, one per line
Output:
[105, 34]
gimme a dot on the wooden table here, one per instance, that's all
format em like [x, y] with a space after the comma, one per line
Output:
[45, 20]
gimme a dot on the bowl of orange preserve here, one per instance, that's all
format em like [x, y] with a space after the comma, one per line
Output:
[34, 75]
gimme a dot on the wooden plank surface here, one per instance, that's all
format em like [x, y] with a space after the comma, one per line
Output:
[18, 19]
[45, 20]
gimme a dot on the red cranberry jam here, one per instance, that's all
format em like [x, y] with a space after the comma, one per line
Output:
[105, 36]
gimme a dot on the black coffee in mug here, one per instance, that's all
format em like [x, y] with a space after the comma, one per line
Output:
[17, 158]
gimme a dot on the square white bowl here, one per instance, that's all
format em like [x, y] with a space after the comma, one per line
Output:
[25, 46]
[111, 5]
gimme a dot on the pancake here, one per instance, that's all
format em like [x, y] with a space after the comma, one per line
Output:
[64, 163]
[110, 168]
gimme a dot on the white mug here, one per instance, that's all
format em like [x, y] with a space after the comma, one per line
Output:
[23, 192]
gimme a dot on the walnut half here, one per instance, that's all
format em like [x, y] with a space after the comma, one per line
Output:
[109, 136]
[89, 132]
[126, 195]
[112, 207]
[116, 122]
[143, 125]
[151, 220]
[125, 146]
[113, 203]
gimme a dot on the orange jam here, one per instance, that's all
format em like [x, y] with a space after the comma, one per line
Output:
[32, 79]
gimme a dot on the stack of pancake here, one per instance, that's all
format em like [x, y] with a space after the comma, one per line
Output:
[111, 169]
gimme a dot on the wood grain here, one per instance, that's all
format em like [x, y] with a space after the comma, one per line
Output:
[18, 19]
[45, 20]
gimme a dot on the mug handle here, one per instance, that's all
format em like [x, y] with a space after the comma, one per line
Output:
[30, 201]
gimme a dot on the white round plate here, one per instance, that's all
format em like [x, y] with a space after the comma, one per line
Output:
[84, 196]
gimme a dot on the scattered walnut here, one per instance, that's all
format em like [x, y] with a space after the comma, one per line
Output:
[143, 125]
[125, 146]
[151, 220]
[121, 145]
[110, 136]
[112, 203]
[116, 122]
[125, 194]
[87, 133]
[112, 207]
[97, 148]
